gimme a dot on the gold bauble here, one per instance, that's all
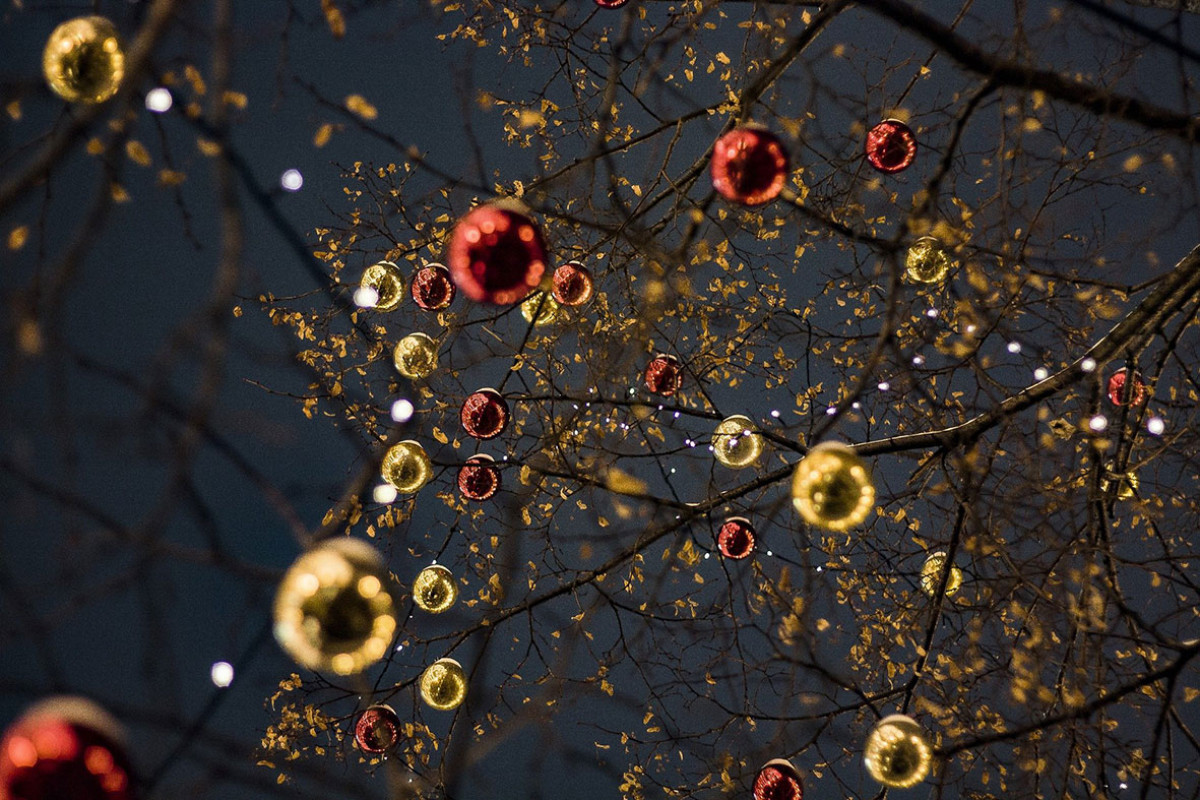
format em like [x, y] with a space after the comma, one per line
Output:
[897, 754]
[407, 467]
[735, 444]
[333, 609]
[832, 488]
[434, 589]
[541, 308]
[444, 684]
[388, 282]
[416, 356]
[83, 60]
[927, 261]
[931, 575]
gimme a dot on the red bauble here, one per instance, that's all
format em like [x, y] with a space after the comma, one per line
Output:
[891, 146]
[432, 288]
[611, 3]
[484, 414]
[65, 748]
[778, 780]
[479, 478]
[573, 285]
[496, 255]
[664, 375]
[1117, 390]
[377, 730]
[749, 166]
[736, 538]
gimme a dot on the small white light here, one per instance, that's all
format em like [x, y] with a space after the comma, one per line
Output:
[159, 100]
[712, 449]
[402, 410]
[971, 328]
[706, 555]
[384, 493]
[676, 415]
[291, 180]
[632, 391]
[770, 553]
[819, 569]
[855, 405]
[918, 360]
[884, 386]
[831, 410]
[1098, 423]
[1014, 347]
[1124, 785]
[1041, 373]
[366, 297]
[1156, 425]
[222, 674]
[672, 470]
[1088, 365]
[775, 413]
[931, 313]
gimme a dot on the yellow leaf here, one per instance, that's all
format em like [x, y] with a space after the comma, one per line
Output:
[208, 147]
[170, 177]
[235, 99]
[17, 237]
[322, 136]
[1133, 163]
[622, 482]
[95, 147]
[360, 106]
[439, 435]
[334, 18]
[119, 195]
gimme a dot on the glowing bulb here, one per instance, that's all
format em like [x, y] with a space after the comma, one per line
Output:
[407, 467]
[1088, 365]
[897, 754]
[832, 487]
[366, 297]
[735, 443]
[159, 100]
[443, 685]
[434, 589]
[1014, 347]
[1156, 425]
[1098, 423]
[927, 261]
[402, 410]
[83, 61]
[384, 493]
[416, 356]
[387, 281]
[291, 180]
[1041, 373]
[222, 674]
[931, 575]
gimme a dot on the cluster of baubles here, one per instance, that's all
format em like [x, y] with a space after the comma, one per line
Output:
[83, 61]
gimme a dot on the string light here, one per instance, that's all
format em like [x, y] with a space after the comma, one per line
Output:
[159, 100]
[221, 674]
[291, 180]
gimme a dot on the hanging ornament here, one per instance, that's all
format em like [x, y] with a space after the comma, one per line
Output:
[927, 261]
[386, 282]
[434, 589]
[479, 478]
[432, 288]
[664, 375]
[735, 444]
[573, 284]
[407, 467]
[541, 309]
[897, 754]
[444, 684]
[749, 166]
[778, 780]
[832, 488]
[377, 730]
[416, 356]
[611, 3]
[484, 414]
[64, 748]
[83, 61]
[1117, 390]
[333, 609]
[496, 254]
[736, 538]
[931, 575]
[891, 146]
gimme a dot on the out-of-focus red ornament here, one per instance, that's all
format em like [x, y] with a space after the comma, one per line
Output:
[663, 375]
[64, 748]
[891, 146]
[432, 288]
[611, 3]
[749, 166]
[496, 254]
[1117, 390]
[573, 285]
[736, 538]
[479, 478]
[778, 780]
[484, 414]
[377, 729]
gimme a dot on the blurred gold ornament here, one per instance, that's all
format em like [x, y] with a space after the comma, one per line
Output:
[434, 589]
[931, 575]
[735, 444]
[897, 754]
[927, 261]
[386, 280]
[832, 488]
[444, 684]
[407, 467]
[333, 609]
[541, 308]
[416, 356]
[83, 60]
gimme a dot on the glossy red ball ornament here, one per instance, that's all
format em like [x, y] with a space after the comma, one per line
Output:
[749, 166]
[496, 254]
[664, 375]
[432, 288]
[736, 538]
[1117, 391]
[479, 478]
[573, 285]
[778, 780]
[64, 748]
[484, 414]
[377, 730]
[891, 146]
[611, 3]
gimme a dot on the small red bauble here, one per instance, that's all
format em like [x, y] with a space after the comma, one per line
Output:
[432, 288]
[749, 166]
[664, 375]
[484, 414]
[778, 780]
[496, 255]
[573, 285]
[891, 146]
[377, 729]
[611, 3]
[736, 538]
[479, 478]
[1117, 390]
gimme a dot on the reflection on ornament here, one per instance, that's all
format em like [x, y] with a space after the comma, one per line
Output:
[83, 61]
[664, 375]
[64, 748]
[778, 780]
[386, 280]
[479, 478]
[735, 444]
[377, 729]
[541, 309]
[484, 414]
[736, 538]
[897, 754]
[927, 261]
[444, 684]
[416, 356]
[891, 146]
[931, 575]
[496, 255]
[1117, 390]
[333, 609]
[432, 288]
[749, 166]
[407, 467]
[573, 285]
[434, 589]
[832, 488]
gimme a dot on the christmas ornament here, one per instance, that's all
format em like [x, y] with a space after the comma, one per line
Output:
[496, 254]
[778, 780]
[434, 589]
[541, 309]
[83, 61]
[736, 538]
[407, 467]
[832, 488]
[333, 609]
[484, 414]
[611, 3]
[749, 166]
[891, 146]
[385, 279]
[664, 375]
[64, 748]
[1117, 390]
[479, 478]
[432, 288]
[573, 285]
[444, 684]
[735, 444]
[377, 729]
[927, 261]
[931, 575]
[416, 356]
[897, 754]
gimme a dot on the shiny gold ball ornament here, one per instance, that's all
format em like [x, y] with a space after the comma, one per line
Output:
[434, 589]
[444, 685]
[407, 467]
[387, 281]
[416, 356]
[931, 575]
[832, 488]
[927, 261]
[735, 443]
[83, 60]
[541, 308]
[333, 609]
[897, 754]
